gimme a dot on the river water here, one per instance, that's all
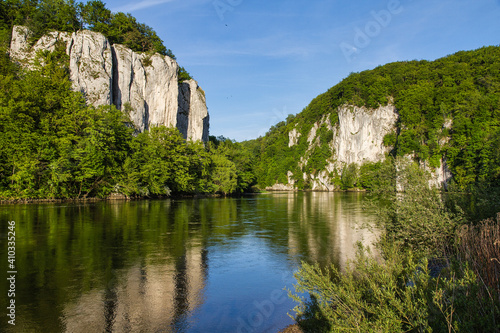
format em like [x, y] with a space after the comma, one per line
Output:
[183, 265]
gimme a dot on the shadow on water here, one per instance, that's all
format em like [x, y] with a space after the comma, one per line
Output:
[193, 265]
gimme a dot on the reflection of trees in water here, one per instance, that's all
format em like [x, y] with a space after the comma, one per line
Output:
[142, 266]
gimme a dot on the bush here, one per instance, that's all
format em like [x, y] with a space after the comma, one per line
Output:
[417, 217]
[398, 295]
[349, 177]
[405, 290]
[480, 247]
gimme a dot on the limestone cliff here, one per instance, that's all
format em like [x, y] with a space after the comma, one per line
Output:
[357, 138]
[143, 85]
[192, 118]
[359, 135]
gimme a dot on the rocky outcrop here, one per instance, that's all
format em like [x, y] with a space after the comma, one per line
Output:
[284, 187]
[143, 85]
[440, 176]
[360, 134]
[293, 137]
[147, 86]
[91, 66]
[357, 138]
[322, 182]
[192, 118]
[281, 187]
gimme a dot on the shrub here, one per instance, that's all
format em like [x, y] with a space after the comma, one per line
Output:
[417, 218]
[349, 177]
[398, 295]
[480, 247]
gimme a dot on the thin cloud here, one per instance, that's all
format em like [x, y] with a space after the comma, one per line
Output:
[140, 5]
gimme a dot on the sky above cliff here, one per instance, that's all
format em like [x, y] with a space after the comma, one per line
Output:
[259, 61]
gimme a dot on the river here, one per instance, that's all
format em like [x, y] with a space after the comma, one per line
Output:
[176, 265]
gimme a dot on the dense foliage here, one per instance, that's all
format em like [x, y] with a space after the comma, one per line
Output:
[52, 145]
[433, 267]
[448, 108]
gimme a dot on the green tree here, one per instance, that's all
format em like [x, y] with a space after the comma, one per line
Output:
[224, 176]
[349, 177]
[95, 16]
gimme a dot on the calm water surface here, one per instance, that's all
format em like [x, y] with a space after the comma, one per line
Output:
[193, 265]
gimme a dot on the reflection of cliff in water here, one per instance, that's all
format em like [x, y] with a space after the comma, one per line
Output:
[163, 283]
[144, 298]
[325, 227]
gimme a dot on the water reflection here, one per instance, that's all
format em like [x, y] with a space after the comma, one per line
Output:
[143, 298]
[327, 226]
[175, 265]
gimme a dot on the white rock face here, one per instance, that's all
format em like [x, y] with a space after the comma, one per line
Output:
[360, 133]
[144, 86]
[90, 63]
[441, 176]
[25, 54]
[293, 137]
[91, 66]
[281, 187]
[147, 86]
[312, 133]
[322, 182]
[357, 138]
[192, 100]
[19, 42]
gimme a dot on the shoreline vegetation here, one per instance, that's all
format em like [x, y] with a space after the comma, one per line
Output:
[54, 146]
[121, 197]
[440, 259]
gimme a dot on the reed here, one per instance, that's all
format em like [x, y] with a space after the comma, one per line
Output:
[479, 246]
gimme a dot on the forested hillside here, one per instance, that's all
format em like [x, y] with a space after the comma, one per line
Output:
[55, 146]
[448, 109]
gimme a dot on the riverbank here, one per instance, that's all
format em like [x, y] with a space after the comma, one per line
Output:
[125, 198]
[121, 197]
[440, 259]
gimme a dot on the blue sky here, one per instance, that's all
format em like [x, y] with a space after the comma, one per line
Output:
[260, 60]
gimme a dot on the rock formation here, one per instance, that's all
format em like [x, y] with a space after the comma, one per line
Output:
[144, 85]
[360, 133]
[192, 118]
[357, 138]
